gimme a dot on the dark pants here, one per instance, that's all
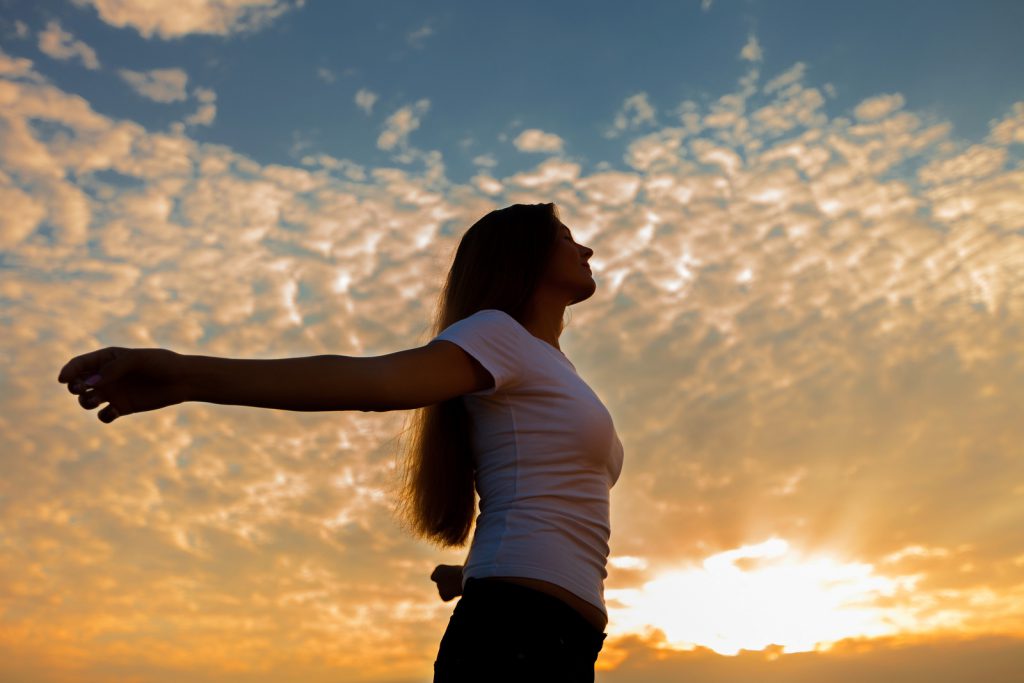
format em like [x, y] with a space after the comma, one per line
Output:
[502, 632]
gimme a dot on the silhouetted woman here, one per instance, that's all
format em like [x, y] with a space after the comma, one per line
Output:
[497, 405]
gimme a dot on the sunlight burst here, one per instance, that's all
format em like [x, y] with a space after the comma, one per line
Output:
[760, 595]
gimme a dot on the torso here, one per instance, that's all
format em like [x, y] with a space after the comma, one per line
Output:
[592, 614]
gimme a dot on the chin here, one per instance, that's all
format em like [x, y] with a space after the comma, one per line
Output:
[584, 295]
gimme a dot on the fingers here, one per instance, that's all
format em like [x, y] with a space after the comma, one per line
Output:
[90, 399]
[79, 386]
[83, 367]
[108, 414]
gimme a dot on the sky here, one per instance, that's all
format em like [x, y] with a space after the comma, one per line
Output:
[808, 230]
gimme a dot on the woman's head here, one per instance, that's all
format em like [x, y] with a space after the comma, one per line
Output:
[499, 262]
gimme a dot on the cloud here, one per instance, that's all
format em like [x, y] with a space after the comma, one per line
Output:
[170, 85]
[365, 100]
[485, 160]
[487, 184]
[548, 176]
[18, 68]
[175, 20]
[20, 217]
[59, 44]
[951, 659]
[805, 327]
[533, 140]
[398, 126]
[349, 169]
[752, 50]
[1011, 129]
[159, 85]
[326, 75]
[416, 38]
[207, 111]
[878, 106]
[612, 188]
[636, 111]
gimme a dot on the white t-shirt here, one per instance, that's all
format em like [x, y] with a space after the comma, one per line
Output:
[546, 455]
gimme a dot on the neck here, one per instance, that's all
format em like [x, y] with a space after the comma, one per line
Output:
[545, 322]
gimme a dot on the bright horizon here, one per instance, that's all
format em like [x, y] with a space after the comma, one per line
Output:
[808, 226]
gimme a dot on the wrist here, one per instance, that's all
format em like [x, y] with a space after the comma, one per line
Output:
[190, 376]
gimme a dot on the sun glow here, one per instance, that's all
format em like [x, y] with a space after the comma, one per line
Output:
[759, 595]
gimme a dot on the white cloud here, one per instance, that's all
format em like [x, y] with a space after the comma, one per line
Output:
[1010, 129]
[792, 75]
[326, 75]
[978, 161]
[547, 176]
[346, 167]
[416, 38]
[21, 214]
[207, 111]
[534, 140]
[878, 106]
[398, 126]
[610, 189]
[752, 50]
[18, 68]
[485, 161]
[636, 110]
[170, 20]
[159, 85]
[487, 184]
[657, 151]
[59, 44]
[171, 85]
[793, 105]
[365, 100]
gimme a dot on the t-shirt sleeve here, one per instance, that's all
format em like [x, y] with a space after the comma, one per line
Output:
[491, 337]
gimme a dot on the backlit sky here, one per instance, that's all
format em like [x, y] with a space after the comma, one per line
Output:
[808, 225]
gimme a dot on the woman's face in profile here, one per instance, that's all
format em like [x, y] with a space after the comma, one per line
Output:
[568, 269]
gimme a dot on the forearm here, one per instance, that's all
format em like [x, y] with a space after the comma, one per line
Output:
[312, 383]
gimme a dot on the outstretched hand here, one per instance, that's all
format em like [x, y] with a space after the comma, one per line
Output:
[128, 380]
[448, 578]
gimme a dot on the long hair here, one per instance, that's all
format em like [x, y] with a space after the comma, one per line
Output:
[498, 264]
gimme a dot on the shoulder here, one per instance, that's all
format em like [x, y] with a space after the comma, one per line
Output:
[493, 317]
[493, 314]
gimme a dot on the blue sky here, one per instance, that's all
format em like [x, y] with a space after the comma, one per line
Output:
[490, 70]
[808, 230]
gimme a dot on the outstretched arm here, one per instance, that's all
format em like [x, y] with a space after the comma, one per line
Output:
[312, 383]
[137, 380]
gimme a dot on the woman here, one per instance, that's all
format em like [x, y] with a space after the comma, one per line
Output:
[498, 407]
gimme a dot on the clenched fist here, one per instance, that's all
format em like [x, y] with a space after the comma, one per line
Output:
[127, 380]
[448, 578]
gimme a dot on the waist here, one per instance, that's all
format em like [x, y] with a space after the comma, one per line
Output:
[590, 613]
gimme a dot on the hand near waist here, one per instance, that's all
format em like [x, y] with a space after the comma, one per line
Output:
[448, 578]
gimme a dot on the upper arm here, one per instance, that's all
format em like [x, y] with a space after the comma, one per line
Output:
[426, 375]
